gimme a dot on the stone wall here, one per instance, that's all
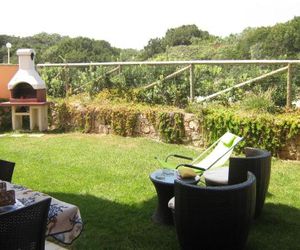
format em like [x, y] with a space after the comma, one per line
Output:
[193, 130]
[194, 135]
[291, 150]
[145, 128]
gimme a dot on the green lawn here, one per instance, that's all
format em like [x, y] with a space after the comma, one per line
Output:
[107, 178]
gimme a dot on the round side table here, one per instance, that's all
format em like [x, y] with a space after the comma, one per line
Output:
[163, 181]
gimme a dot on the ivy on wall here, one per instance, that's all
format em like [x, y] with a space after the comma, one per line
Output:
[261, 130]
[266, 131]
[270, 132]
[171, 127]
[123, 120]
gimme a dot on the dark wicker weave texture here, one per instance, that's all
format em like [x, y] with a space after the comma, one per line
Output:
[214, 217]
[258, 162]
[25, 228]
[6, 170]
[165, 191]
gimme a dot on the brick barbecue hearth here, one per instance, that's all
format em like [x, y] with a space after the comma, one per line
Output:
[27, 94]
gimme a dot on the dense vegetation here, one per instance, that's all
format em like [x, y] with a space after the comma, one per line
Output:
[95, 158]
[129, 82]
[187, 42]
[55, 48]
[253, 122]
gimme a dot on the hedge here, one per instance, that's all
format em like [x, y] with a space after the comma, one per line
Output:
[262, 130]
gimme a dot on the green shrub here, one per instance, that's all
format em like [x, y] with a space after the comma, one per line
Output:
[208, 79]
[260, 130]
[261, 102]
[5, 119]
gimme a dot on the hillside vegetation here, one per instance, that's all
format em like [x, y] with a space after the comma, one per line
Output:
[117, 98]
[185, 42]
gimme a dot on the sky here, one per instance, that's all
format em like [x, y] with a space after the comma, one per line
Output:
[132, 23]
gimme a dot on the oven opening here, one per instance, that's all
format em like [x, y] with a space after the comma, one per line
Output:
[23, 90]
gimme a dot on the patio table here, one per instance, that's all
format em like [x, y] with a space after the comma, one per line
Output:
[163, 181]
[64, 220]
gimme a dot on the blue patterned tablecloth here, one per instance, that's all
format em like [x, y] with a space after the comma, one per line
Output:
[64, 220]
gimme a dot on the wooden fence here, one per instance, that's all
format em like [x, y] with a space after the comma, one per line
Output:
[189, 66]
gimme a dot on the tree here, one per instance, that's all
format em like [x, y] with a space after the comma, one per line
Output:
[80, 49]
[154, 46]
[183, 35]
[279, 41]
[53, 47]
[284, 39]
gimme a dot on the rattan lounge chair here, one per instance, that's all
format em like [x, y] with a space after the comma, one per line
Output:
[216, 155]
[25, 227]
[6, 170]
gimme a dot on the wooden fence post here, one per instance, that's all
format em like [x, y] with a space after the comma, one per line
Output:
[66, 75]
[192, 87]
[289, 87]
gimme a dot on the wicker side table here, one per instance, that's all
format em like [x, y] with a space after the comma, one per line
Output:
[163, 181]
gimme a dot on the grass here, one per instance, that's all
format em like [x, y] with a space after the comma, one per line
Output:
[107, 178]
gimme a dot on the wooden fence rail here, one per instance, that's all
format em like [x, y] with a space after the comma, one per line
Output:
[245, 83]
[190, 67]
[167, 77]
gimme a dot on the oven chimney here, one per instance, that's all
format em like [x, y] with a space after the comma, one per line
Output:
[27, 72]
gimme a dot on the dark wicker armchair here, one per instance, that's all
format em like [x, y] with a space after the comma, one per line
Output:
[258, 162]
[214, 217]
[25, 228]
[6, 170]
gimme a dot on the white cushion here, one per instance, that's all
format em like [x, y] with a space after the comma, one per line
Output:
[219, 175]
[171, 203]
